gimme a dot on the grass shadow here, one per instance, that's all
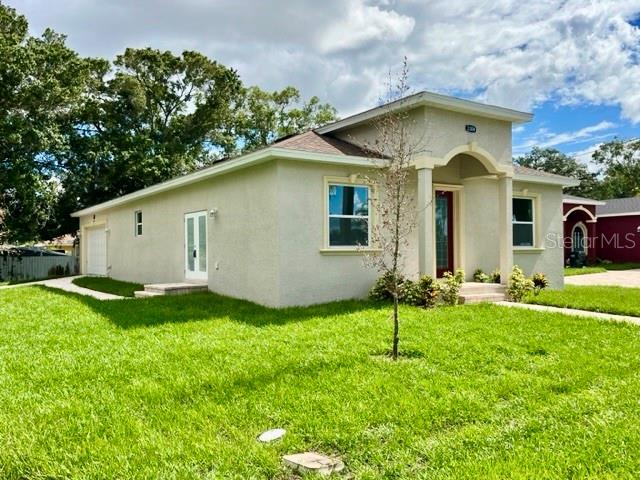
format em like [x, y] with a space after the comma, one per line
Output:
[150, 312]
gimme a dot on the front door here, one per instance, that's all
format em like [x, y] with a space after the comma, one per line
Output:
[444, 232]
[195, 236]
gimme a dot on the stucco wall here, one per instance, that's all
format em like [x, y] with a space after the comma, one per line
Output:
[242, 238]
[440, 131]
[618, 238]
[548, 257]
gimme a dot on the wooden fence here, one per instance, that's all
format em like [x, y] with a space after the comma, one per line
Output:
[37, 267]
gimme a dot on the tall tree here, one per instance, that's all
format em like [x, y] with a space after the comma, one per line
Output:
[620, 162]
[41, 83]
[553, 161]
[266, 116]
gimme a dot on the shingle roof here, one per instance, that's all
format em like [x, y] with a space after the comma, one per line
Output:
[581, 200]
[313, 142]
[535, 173]
[616, 206]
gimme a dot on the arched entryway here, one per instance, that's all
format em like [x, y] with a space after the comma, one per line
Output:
[579, 239]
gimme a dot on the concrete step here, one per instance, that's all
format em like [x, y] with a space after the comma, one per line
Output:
[482, 298]
[143, 294]
[475, 288]
[175, 288]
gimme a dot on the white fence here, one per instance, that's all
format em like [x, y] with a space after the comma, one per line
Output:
[37, 267]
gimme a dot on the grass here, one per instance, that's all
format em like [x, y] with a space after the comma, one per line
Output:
[599, 268]
[619, 300]
[571, 271]
[109, 285]
[179, 387]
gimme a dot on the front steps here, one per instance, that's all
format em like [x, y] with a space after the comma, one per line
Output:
[159, 289]
[474, 292]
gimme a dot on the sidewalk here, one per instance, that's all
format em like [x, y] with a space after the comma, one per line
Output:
[573, 312]
[66, 285]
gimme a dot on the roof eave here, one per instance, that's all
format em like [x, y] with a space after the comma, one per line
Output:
[572, 201]
[229, 166]
[560, 181]
[434, 100]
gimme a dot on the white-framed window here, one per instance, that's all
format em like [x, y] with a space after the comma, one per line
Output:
[137, 219]
[524, 222]
[348, 222]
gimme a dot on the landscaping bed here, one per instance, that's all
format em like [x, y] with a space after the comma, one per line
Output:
[180, 387]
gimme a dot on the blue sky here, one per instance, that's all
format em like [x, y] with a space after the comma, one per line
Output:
[574, 63]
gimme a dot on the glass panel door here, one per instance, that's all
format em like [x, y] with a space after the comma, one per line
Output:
[196, 245]
[444, 232]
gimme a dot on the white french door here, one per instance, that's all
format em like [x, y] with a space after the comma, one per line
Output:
[195, 241]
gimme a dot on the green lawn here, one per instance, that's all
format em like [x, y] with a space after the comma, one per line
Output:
[570, 271]
[620, 300]
[179, 387]
[108, 285]
[600, 268]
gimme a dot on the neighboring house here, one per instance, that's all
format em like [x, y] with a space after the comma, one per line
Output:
[602, 230]
[281, 226]
[580, 227]
[63, 244]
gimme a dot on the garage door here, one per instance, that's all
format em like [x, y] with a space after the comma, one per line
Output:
[96, 251]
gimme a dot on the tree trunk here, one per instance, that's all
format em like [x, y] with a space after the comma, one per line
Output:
[396, 327]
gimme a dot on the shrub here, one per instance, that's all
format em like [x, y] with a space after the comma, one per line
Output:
[540, 282]
[450, 287]
[381, 289]
[430, 289]
[411, 294]
[480, 277]
[495, 276]
[519, 285]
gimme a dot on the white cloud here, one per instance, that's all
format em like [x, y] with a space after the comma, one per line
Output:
[361, 25]
[544, 138]
[508, 52]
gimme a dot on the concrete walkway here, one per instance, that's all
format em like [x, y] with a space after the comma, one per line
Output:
[621, 278]
[573, 312]
[66, 285]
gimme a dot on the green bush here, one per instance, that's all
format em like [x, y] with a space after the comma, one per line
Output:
[540, 282]
[480, 277]
[519, 285]
[450, 287]
[495, 276]
[422, 293]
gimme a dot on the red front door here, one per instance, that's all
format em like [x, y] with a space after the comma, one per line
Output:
[444, 232]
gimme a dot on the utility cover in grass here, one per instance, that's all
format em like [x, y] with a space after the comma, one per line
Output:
[313, 462]
[271, 435]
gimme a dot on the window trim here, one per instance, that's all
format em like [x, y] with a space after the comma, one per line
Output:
[352, 181]
[137, 224]
[533, 222]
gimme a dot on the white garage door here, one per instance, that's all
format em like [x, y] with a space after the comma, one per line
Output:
[96, 251]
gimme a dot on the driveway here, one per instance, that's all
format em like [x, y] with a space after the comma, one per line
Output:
[66, 285]
[622, 278]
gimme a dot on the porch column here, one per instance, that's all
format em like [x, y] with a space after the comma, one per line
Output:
[505, 197]
[426, 245]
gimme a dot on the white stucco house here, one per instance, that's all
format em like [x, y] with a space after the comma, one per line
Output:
[286, 225]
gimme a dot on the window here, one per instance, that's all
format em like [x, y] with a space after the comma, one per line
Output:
[523, 222]
[348, 211]
[138, 223]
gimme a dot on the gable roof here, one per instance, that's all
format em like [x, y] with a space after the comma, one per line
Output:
[433, 100]
[618, 207]
[527, 174]
[576, 200]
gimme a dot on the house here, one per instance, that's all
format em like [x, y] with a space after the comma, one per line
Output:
[602, 230]
[289, 224]
[63, 244]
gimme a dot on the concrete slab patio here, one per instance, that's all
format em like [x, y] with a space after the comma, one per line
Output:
[621, 278]
[66, 284]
